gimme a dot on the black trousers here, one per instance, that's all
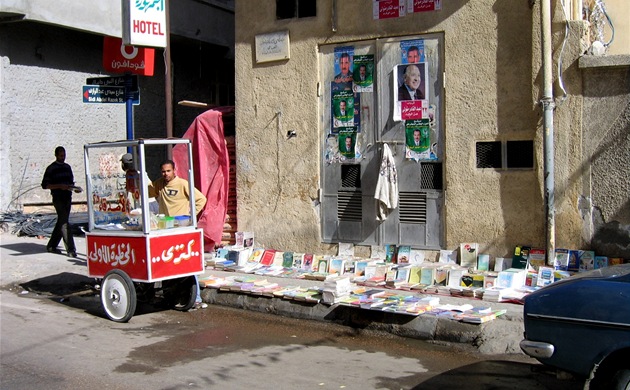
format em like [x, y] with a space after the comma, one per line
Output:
[62, 228]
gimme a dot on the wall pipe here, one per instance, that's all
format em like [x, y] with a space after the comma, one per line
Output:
[548, 106]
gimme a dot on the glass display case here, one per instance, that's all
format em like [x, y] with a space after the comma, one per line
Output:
[129, 243]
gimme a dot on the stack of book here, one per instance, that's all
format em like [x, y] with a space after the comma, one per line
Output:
[336, 288]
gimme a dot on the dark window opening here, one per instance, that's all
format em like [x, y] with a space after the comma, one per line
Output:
[488, 154]
[351, 176]
[287, 9]
[520, 154]
[431, 176]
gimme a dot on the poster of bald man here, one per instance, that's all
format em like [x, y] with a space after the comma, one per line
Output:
[410, 87]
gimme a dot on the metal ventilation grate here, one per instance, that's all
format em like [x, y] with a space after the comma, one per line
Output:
[412, 207]
[488, 154]
[349, 206]
[431, 176]
[351, 176]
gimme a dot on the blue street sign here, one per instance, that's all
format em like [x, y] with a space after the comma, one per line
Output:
[114, 81]
[107, 94]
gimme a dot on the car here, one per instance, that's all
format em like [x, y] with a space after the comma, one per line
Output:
[581, 325]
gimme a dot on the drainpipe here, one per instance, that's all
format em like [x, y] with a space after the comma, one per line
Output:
[548, 107]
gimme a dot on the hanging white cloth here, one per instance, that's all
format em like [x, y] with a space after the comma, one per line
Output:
[387, 185]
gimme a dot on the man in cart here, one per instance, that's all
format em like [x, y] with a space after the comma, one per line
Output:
[172, 194]
[173, 197]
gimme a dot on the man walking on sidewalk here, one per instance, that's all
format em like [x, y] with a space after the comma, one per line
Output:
[59, 179]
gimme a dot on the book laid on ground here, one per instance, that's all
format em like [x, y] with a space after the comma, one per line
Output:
[416, 256]
[448, 256]
[267, 257]
[307, 262]
[287, 259]
[600, 262]
[403, 254]
[322, 264]
[390, 253]
[377, 252]
[298, 258]
[346, 249]
[519, 259]
[256, 255]
[587, 260]
[574, 261]
[545, 276]
[536, 258]
[502, 263]
[483, 262]
[337, 266]
[561, 259]
[468, 254]
[278, 258]
[359, 267]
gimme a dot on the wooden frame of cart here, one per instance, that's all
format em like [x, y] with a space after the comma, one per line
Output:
[129, 246]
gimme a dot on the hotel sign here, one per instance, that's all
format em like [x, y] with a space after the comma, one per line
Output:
[144, 22]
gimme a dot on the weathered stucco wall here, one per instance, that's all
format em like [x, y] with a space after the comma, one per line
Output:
[492, 92]
[605, 203]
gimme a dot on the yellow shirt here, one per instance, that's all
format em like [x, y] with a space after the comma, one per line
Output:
[173, 197]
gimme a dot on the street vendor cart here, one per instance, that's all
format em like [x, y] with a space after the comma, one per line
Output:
[136, 252]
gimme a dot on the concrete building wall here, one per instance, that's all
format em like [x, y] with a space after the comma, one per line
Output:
[492, 91]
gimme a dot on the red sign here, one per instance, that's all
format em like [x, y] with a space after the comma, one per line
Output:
[426, 5]
[385, 9]
[128, 254]
[120, 58]
[413, 109]
[146, 258]
[176, 254]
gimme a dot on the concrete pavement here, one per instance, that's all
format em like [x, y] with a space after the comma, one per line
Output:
[24, 263]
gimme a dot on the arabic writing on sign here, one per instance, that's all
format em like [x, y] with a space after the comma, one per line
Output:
[126, 64]
[177, 253]
[114, 254]
[144, 5]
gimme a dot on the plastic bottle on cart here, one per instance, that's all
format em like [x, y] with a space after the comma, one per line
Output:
[161, 221]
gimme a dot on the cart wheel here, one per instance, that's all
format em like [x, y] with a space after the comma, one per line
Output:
[180, 293]
[118, 296]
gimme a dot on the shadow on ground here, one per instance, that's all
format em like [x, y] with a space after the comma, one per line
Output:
[495, 374]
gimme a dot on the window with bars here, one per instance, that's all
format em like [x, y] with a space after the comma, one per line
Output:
[508, 155]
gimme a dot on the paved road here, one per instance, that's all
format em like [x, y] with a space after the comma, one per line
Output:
[54, 335]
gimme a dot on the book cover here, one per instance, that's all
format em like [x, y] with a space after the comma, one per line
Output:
[337, 266]
[600, 262]
[574, 261]
[370, 271]
[287, 259]
[256, 255]
[267, 257]
[359, 267]
[415, 272]
[307, 264]
[455, 277]
[519, 260]
[587, 260]
[278, 259]
[448, 256]
[322, 265]
[403, 274]
[377, 252]
[416, 256]
[441, 276]
[483, 262]
[561, 260]
[403, 254]
[390, 276]
[536, 258]
[615, 261]
[489, 280]
[427, 275]
[468, 254]
[298, 258]
[390, 253]
[502, 263]
[545, 276]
